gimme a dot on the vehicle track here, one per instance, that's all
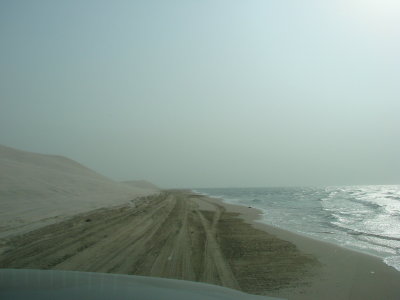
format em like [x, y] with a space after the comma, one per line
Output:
[165, 235]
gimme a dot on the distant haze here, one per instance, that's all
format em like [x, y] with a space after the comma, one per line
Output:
[206, 93]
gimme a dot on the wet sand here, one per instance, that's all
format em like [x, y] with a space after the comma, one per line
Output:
[181, 235]
[341, 274]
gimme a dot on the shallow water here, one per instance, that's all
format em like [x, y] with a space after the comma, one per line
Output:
[362, 218]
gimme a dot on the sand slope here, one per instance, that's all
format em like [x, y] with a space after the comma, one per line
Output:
[35, 189]
[143, 184]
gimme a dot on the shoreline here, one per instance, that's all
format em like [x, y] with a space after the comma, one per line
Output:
[182, 235]
[346, 273]
[258, 219]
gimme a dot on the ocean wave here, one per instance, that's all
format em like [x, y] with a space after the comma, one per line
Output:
[363, 218]
[256, 200]
[370, 204]
[356, 232]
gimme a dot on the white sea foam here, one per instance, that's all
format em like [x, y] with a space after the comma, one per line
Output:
[393, 261]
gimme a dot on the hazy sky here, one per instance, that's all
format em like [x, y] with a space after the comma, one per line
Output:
[206, 93]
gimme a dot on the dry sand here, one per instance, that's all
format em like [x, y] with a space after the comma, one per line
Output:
[185, 236]
[38, 189]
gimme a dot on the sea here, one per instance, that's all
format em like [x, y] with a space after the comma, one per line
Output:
[363, 218]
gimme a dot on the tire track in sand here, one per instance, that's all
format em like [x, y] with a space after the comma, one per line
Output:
[175, 235]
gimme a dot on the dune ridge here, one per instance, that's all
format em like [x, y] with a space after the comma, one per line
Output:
[36, 189]
[142, 184]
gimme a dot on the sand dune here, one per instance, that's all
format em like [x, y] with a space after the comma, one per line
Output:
[142, 184]
[36, 189]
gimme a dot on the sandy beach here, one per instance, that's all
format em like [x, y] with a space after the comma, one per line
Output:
[181, 235]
